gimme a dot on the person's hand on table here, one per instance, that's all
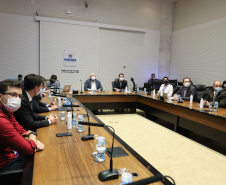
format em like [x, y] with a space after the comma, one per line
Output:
[52, 118]
[54, 107]
[52, 104]
[39, 146]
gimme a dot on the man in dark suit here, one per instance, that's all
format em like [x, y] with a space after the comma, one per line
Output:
[186, 90]
[215, 94]
[93, 84]
[25, 114]
[120, 83]
[53, 83]
[40, 107]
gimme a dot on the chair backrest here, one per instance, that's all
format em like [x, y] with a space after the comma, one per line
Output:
[113, 83]
[200, 87]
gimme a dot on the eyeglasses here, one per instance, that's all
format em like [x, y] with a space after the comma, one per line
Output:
[14, 95]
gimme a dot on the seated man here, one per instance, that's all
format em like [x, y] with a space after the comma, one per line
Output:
[53, 83]
[25, 114]
[152, 78]
[120, 83]
[20, 79]
[216, 94]
[15, 141]
[166, 87]
[186, 90]
[93, 84]
[40, 107]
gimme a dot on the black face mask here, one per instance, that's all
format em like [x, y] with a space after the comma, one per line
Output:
[166, 82]
[51, 81]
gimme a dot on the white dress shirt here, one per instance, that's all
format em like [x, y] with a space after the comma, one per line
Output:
[166, 89]
[93, 85]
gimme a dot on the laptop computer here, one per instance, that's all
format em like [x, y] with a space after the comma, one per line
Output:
[66, 88]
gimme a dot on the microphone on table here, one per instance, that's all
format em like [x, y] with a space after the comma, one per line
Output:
[81, 86]
[156, 178]
[88, 136]
[71, 105]
[111, 173]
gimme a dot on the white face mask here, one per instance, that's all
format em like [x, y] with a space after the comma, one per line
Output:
[218, 89]
[224, 85]
[187, 84]
[121, 79]
[93, 77]
[13, 104]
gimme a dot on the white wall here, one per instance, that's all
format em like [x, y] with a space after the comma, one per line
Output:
[19, 46]
[199, 52]
[194, 12]
[135, 13]
[100, 49]
[138, 51]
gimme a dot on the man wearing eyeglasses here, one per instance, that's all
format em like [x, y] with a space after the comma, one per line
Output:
[25, 114]
[15, 141]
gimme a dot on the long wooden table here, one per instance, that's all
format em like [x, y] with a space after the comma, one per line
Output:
[67, 160]
[189, 116]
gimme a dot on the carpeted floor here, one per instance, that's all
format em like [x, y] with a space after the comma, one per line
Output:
[187, 161]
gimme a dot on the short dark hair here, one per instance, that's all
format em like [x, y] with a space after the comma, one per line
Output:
[31, 81]
[20, 75]
[121, 74]
[9, 83]
[187, 78]
[224, 82]
[53, 77]
[165, 77]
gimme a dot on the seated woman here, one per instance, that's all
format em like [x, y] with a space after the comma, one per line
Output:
[15, 141]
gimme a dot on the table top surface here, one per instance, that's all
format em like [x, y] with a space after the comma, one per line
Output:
[221, 112]
[68, 160]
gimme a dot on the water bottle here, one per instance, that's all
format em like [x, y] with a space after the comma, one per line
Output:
[201, 103]
[154, 93]
[126, 178]
[100, 154]
[69, 121]
[62, 116]
[80, 127]
[138, 89]
[65, 101]
[59, 101]
[101, 141]
[74, 123]
[215, 106]
[145, 91]
[191, 99]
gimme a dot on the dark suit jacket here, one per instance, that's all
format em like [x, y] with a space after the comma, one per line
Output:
[26, 116]
[190, 91]
[39, 107]
[221, 97]
[88, 85]
[117, 84]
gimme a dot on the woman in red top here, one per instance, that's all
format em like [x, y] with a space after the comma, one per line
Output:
[14, 139]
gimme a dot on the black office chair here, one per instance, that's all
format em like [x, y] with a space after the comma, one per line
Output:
[200, 91]
[206, 90]
[12, 175]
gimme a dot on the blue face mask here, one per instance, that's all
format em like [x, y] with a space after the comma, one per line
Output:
[218, 89]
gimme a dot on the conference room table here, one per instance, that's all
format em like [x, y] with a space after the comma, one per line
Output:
[67, 160]
[205, 121]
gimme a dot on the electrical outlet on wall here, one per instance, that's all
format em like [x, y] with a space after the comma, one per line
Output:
[124, 67]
